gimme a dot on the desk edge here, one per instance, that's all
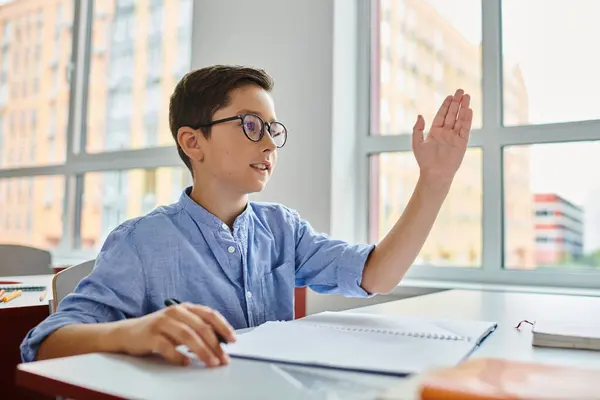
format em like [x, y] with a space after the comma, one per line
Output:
[53, 387]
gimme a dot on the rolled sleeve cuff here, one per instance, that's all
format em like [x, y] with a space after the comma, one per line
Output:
[350, 270]
[32, 341]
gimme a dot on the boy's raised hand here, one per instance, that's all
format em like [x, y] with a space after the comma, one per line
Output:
[185, 324]
[440, 154]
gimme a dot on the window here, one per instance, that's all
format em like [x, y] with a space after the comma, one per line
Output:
[156, 18]
[544, 204]
[400, 117]
[149, 196]
[113, 123]
[22, 67]
[154, 98]
[406, 40]
[386, 72]
[1, 140]
[438, 72]
[536, 53]
[180, 179]
[155, 57]
[462, 211]
[386, 114]
[155, 41]
[112, 197]
[400, 79]
[116, 135]
[183, 62]
[523, 208]
[28, 217]
[4, 66]
[33, 121]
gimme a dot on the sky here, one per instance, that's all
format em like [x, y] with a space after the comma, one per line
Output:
[546, 39]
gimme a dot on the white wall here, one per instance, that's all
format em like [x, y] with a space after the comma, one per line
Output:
[309, 47]
[292, 41]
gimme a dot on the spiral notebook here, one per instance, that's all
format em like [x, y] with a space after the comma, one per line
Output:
[393, 345]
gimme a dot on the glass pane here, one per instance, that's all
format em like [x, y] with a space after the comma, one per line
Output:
[550, 75]
[112, 197]
[35, 51]
[32, 211]
[393, 178]
[140, 50]
[552, 209]
[424, 51]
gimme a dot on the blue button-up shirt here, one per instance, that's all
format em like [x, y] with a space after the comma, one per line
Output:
[248, 274]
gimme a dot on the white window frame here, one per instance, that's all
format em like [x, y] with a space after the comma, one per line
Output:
[77, 162]
[491, 138]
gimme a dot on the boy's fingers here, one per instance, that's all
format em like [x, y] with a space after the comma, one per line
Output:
[439, 118]
[450, 119]
[209, 337]
[166, 348]
[180, 333]
[203, 328]
[215, 319]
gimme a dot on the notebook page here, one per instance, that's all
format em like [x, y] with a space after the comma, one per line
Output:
[452, 329]
[355, 350]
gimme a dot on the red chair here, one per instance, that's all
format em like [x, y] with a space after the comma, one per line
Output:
[299, 302]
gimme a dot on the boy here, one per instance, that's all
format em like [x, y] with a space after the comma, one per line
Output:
[233, 263]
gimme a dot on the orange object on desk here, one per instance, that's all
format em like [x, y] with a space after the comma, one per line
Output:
[12, 295]
[498, 379]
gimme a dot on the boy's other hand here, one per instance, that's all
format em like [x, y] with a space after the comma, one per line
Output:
[440, 154]
[185, 324]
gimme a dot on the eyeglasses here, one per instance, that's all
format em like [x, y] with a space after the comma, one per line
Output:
[254, 128]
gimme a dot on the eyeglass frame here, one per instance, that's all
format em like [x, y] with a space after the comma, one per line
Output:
[241, 118]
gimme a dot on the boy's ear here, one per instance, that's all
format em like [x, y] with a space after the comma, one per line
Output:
[191, 142]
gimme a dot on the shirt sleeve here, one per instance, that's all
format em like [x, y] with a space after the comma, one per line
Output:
[115, 290]
[327, 265]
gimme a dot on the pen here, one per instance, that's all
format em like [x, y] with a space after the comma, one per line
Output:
[172, 302]
[42, 295]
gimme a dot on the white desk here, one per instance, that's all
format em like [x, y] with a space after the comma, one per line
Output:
[29, 299]
[89, 376]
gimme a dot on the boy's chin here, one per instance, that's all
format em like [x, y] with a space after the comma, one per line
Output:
[256, 187]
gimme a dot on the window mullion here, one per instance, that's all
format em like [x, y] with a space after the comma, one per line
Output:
[78, 75]
[492, 210]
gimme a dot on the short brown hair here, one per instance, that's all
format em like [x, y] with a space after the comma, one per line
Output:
[200, 93]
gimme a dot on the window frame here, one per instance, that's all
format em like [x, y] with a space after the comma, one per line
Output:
[77, 161]
[492, 137]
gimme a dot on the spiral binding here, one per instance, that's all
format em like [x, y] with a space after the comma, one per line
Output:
[29, 288]
[424, 335]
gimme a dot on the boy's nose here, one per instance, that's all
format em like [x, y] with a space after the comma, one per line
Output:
[268, 142]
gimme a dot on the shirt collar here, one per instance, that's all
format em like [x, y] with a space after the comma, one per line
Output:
[202, 215]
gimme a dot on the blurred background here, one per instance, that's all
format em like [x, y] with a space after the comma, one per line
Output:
[84, 89]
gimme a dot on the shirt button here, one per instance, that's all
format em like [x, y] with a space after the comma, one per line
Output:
[225, 227]
[231, 249]
[249, 294]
